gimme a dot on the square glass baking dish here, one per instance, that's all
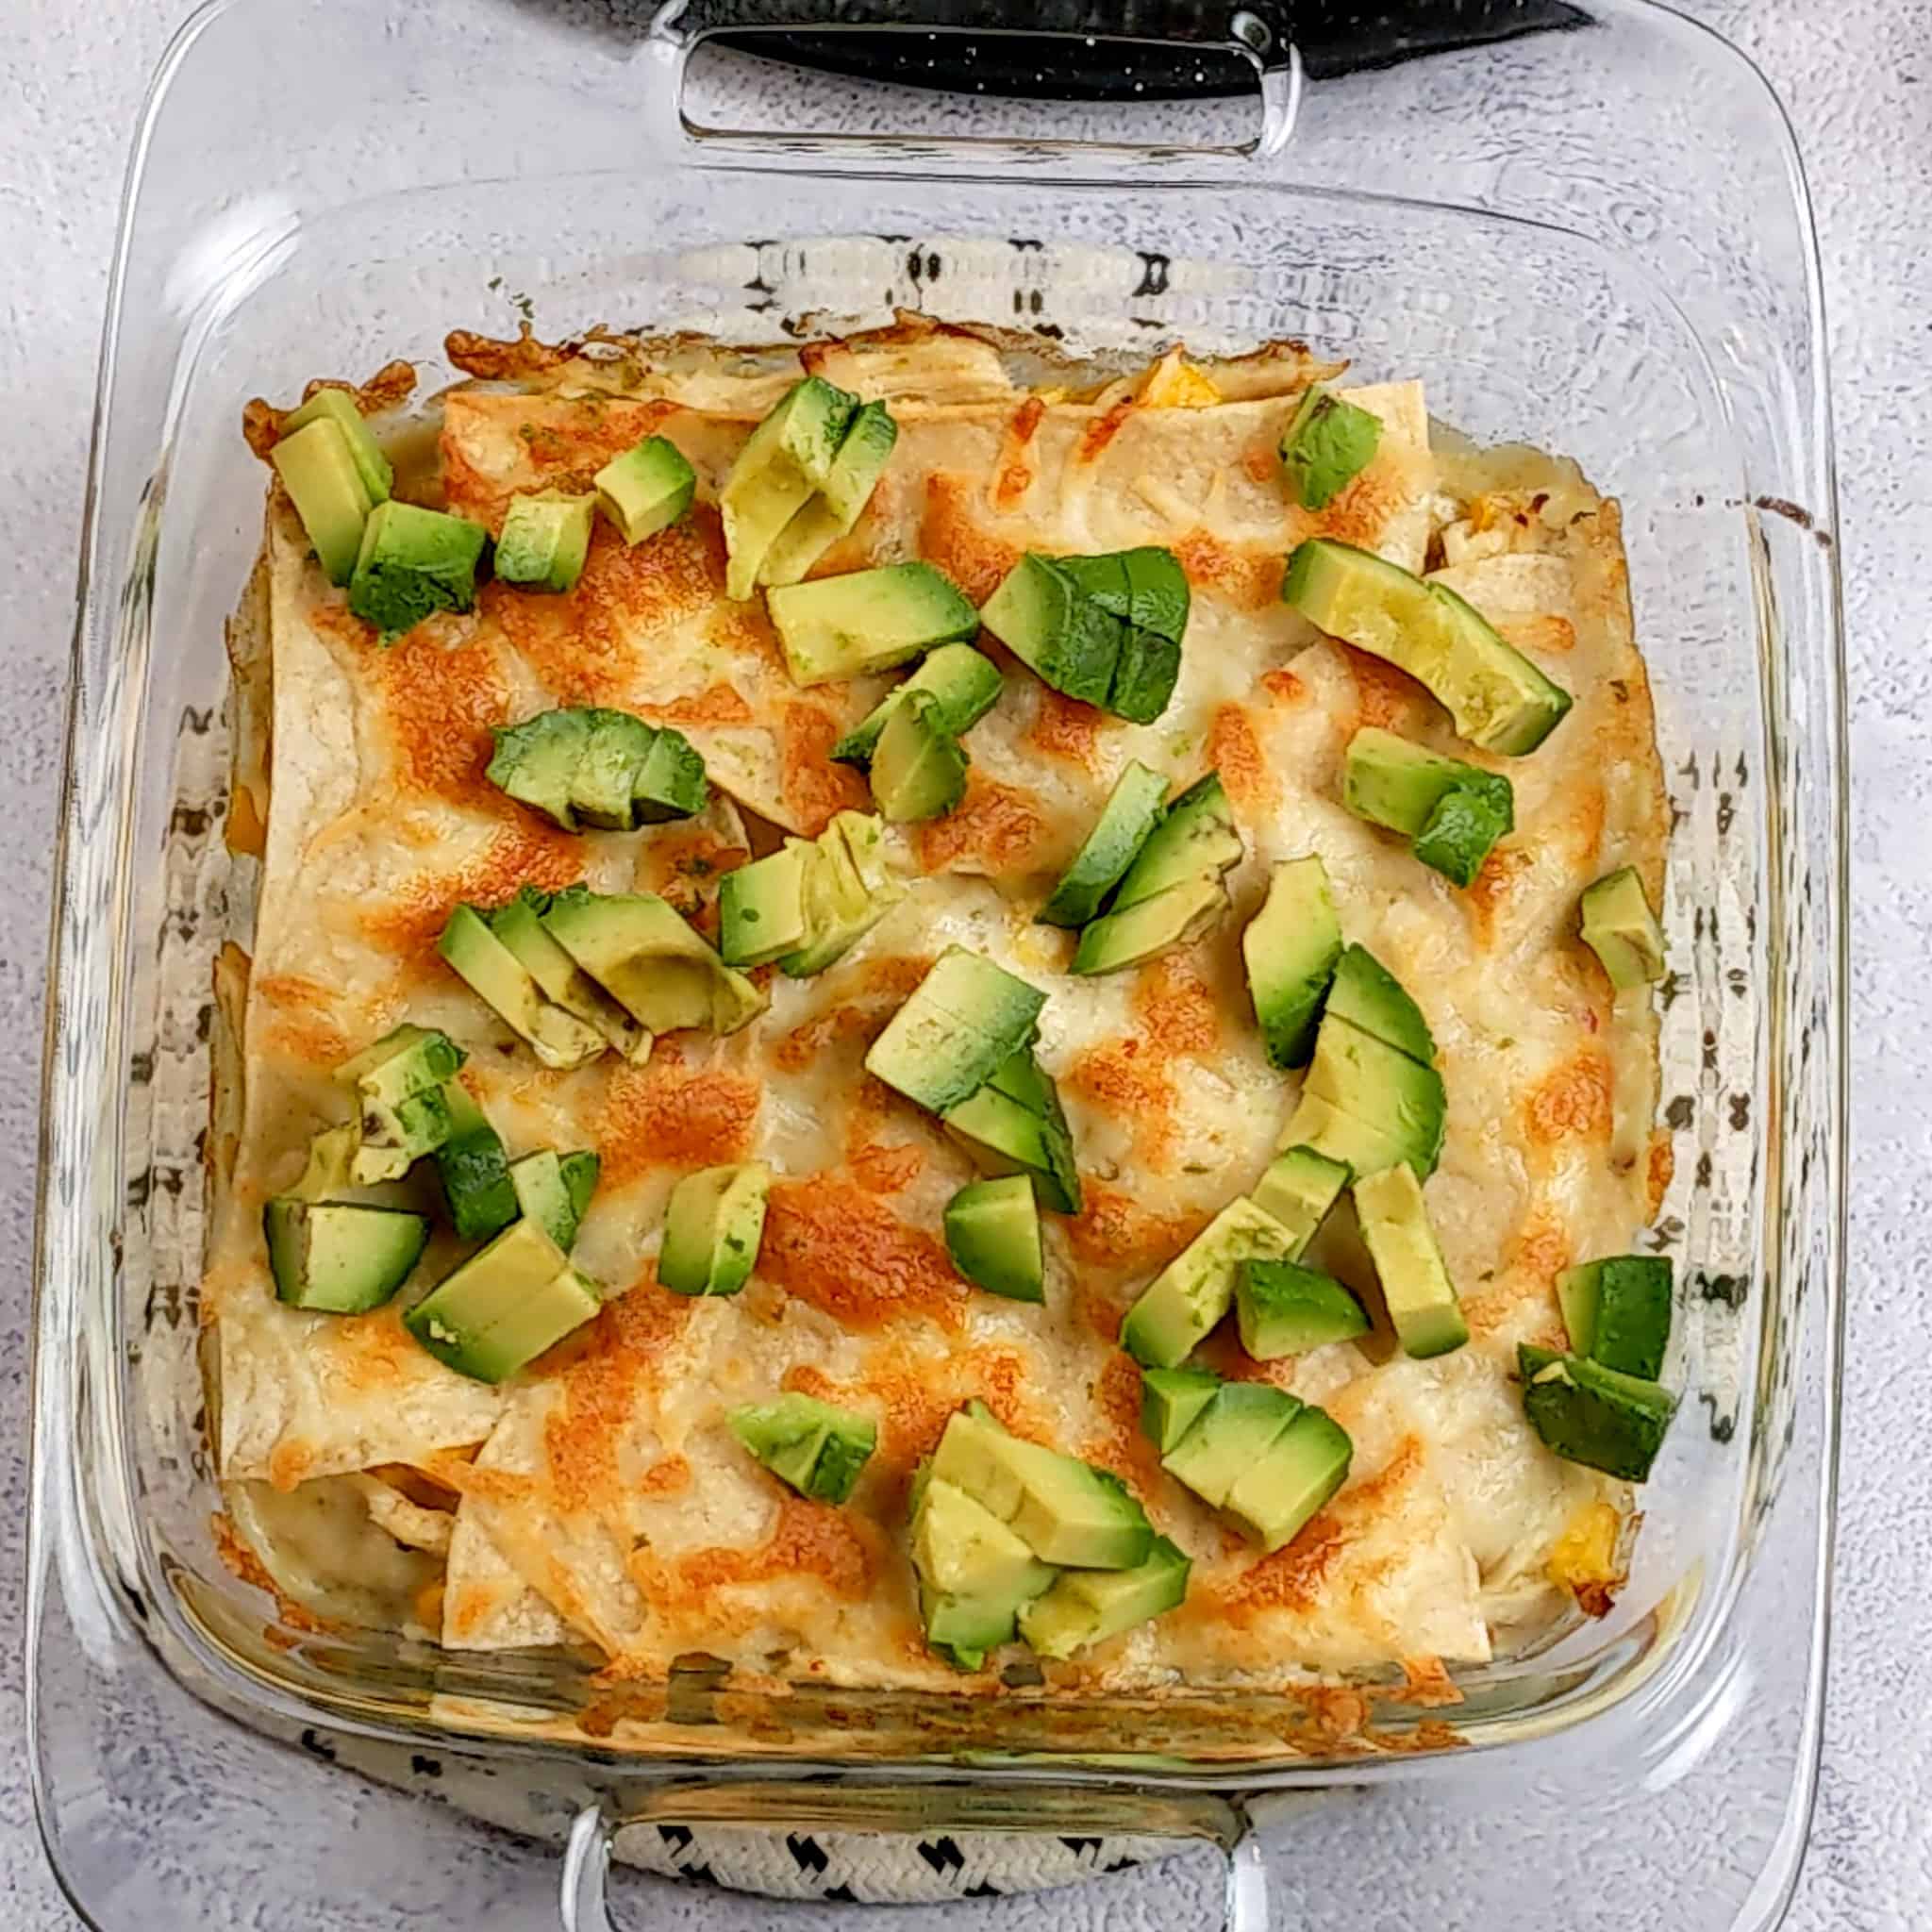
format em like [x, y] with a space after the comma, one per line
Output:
[1595, 241]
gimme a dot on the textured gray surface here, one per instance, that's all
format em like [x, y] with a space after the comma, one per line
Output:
[1857, 78]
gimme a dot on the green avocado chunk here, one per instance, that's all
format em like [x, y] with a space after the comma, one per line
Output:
[1327, 445]
[337, 406]
[1291, 947]
[404, 1112]
[643, 491]
[1494, 696]
[1594, 1415]
[1298, 1190]
[962, 681]
[671, 784]
[1459, 835]
[1195, 837]
[823, 518]
[1065, 1510]
[1370, 997]
[318, 470]
[786, 459]
[1064, 637]
[1107, 629]
[1231, 1436]
[1617, 1312]
[495, 974]
[976, 1575]
[1399, 1099]
[992, 1234]
[535, 762]
[505, 1305]
[714, 1226]
[474, 1170]
[616, 747]
[413, 563]
[1087, 1606]
[1284, 1308]
[1015, 1122]
[917, 766]
[545, 540]
[1145, 587]
[336, 1258]
[964, 1021]
[554, 1190]
[1186, 1299]
[816, 1447]
[850, 885]
[1420, 1298]
[1303, 1466]
[1127, 822]
[1622, 930]
[1171, 1400]
[651, 961]
[519, 924]
[1130, 936]
[761, 911]
[1394, 783]
[867, 620]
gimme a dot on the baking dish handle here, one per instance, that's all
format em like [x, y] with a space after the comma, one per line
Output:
[1234, 1825]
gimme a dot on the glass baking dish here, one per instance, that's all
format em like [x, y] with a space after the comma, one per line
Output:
[1595, 241]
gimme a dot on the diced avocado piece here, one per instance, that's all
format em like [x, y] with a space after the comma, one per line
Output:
[318, 470]
[917, 766]
[993, 1572]
[498, 978]
[1494, 696]
[850, 885]
[1325, 1129]
[964, 1021]
[1145, 587]
[1617, 1312]
[1195, 836]
[1284, 1308]
[338, 1258]
[1400, 1098]
[1461, 834]
[1594, 1415]
[1172, 1401]
[1327, 445]
[545, 540]
[761, 907]
[337, 406]
[1087, 1606]
[1423, 1306]
[554, 1195]
[1303, 1466]
[615, 750]
[504, 1305]
[643, 954]
[1144, 676]
[326, 1172]
[1066, 638]
[535, 762]
[1130, 936]
[403, 1112]
[712, 1227]
[1232, 1436]
[413, 563]
[992, 1234]
[1391, 782]
[823, 519]
[1125, 823]
[816, 1447]
[671, 783]
[474, 1170]
[1622, 930]
[645, 489]
[1188, 1298]
[1298, 1190]
[963, 682]
[1015, 1122]
[867, 620]
[1370, 997]
[784, 460]
[581, 1168]
[519, 924]
[1066, 1511]
[1291, 947]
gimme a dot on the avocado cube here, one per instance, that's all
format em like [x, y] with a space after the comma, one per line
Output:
[1617, 1312]
[1172, 1401]
[1087, 1606]
[403, 1110]
[581, 1168]
[1133, 935]
[823, 519]
[1497, 698]
[964, 1021]
[867, 620]
[1420, 1298]
[616, 747]
[1196, 836]
[1398, 785]
[917, 766]
[1361, 1145]
[816, 1447]
[338, 1258]
[1067, 639]
[1298, 1190]
[787, 457]
[404, 1060]
[474, 1170]
[1622, 930]
[1291, 947]
[1284, 1308]
[1015, 1122]
[326, 1172]
[1182, 1304]
[672, 782]
[1371, 998]
[761, 908]
[962, 681]
[850, 885]
[1232, 1436]
[520, 926]
[544, 540]
[962, 1549]
[318, 470]
[413, 563]
[535, 762]
[337, 406]
[1303, 1466]
[1459, 835]
[992, 1234]
[654, 964]
[1594, 1415]
[1145, 587]
[1144, 676]
[545, 1193]
[713, 1225]
[644, 490]
[1399, 1097]
[1127, 822]
[494, 974]
[1327, 445]
[504, 1307]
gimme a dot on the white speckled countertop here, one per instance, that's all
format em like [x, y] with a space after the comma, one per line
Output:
[1857, 77]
